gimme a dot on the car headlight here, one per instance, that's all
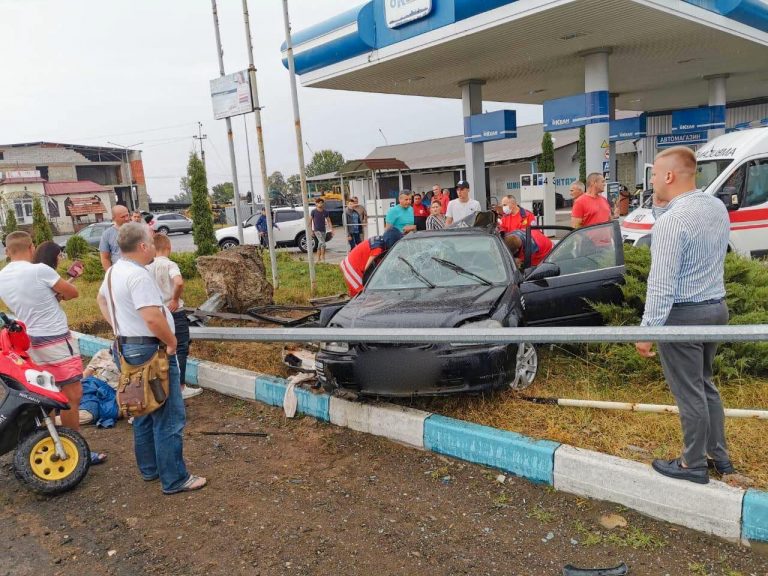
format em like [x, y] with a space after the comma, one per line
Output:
[335, 347]
[487, 323]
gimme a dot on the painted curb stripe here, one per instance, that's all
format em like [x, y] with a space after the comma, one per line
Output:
[755, 516]
[397, 423]
[508, 451]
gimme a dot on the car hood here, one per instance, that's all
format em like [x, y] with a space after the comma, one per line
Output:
[418, 308]
[228, 231]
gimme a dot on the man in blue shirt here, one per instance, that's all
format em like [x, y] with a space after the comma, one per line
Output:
[109, 251]
[401, 215]
[686, 288]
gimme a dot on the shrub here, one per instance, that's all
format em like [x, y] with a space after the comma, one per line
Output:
[41, 228]
[93, 272]
[746, 284]
[202, 231]
[77, 247]
[187, 262]
[11, 225]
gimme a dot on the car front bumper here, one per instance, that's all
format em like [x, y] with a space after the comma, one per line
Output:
[430, 370]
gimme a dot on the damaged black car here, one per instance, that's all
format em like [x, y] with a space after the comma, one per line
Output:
[466, 277]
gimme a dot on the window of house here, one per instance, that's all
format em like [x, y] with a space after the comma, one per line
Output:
[2, 155]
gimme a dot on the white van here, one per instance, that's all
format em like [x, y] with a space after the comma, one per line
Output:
[735, 168]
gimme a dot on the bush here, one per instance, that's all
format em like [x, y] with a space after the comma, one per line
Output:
[11, 225]
[746, 285]
[77, 247]
[41, 228]
[93, 272]
[187, 262]
[202, 230]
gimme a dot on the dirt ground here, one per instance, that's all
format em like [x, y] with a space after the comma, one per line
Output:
[312, 498]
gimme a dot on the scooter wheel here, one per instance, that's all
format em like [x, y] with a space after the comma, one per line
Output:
[37, 465]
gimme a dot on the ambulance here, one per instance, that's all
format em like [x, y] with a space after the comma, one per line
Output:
[734, 167]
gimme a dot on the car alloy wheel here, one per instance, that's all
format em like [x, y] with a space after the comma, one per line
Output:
[228, 243]
[302, 243]
[526, 368]
[163, 230]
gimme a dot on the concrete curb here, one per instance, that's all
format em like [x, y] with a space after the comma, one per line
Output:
[714, 508]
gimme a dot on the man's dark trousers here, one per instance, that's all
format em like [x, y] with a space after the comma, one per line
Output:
[688, 370]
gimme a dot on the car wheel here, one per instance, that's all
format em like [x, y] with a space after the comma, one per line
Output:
[301, 242]
[163, 230]
[526, 368]
[228, 243]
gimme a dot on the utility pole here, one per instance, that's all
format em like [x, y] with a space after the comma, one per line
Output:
[230, 137]
[201, 137]
[299, 147]
[260, 141]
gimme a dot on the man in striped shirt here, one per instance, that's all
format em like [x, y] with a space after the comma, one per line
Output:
[686, 287]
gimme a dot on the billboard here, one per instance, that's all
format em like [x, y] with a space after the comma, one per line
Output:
[490, 126]
[575, 111]
[231, 95]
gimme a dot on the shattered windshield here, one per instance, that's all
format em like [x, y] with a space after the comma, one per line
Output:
[440, 262]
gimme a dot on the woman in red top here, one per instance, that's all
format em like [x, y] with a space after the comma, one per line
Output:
[420, 213]
[445, 197]
[362, 256]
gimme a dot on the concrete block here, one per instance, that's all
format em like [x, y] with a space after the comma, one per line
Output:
[508, 451]
[713, 508]
[192, 368]
[397, 423]
[271, 390]
[89, 345]
[226, 379]
[754, 520]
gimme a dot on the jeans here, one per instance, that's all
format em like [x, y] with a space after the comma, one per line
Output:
[354, 239]
[182, 343]
[158, 437]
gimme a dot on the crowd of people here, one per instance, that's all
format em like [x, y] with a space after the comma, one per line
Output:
[141, 299]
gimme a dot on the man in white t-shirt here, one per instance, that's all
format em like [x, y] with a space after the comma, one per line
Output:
[131, 302]
[462, 206]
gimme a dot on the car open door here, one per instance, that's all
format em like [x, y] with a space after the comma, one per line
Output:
[587, 265]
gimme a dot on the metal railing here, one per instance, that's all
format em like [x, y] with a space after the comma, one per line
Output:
[741, 333]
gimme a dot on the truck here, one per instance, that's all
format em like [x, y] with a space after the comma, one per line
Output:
[734, 167]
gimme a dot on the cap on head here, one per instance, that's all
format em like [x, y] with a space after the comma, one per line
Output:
[462, 184]
[391, 236]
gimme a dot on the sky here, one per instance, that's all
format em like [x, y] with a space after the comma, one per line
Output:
[137, 72]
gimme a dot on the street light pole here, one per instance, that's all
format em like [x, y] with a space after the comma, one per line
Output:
[230, 136]
[260, 141]
[299, 147]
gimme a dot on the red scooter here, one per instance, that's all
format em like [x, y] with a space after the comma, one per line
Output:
[48, 460]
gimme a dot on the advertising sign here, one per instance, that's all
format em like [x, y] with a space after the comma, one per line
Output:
[491, 126]
[629, 128]
[697, 119]
[575, 111]
[231, 95]
[689, 139]
[399, 12]
[20, 174]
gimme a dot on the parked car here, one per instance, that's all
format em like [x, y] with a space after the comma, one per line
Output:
[290, 231]
[172, 222]
[92, 233]
[466, 277]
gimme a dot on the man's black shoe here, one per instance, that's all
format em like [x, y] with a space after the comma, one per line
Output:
[721, 466]
[674, 469]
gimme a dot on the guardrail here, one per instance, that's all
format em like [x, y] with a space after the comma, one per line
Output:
[741, 333]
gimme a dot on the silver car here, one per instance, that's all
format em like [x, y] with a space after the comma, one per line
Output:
[167, 223]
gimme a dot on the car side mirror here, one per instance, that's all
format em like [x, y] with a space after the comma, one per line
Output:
[730, 197]
[542, 271]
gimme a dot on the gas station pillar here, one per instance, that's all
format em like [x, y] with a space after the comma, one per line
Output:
[597, 135]
[717, 97]
[474, 152]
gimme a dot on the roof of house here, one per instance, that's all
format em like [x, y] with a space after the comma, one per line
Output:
[75, 187]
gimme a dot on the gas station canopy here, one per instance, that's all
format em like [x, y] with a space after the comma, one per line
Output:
[662, 52]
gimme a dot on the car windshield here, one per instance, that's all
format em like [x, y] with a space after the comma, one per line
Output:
[441, 262]
[708, 170]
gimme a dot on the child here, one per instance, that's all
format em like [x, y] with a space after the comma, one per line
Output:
[171, 284]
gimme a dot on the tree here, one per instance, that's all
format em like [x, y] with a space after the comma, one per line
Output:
[582, 149]
[276, 183]
[185, 196]
[11, 225]
[202, 217]
[547, 162]
[41, 228]
[325, 161]
[223, 193]
[294, 184]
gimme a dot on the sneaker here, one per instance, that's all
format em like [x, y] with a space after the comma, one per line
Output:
[190, 392]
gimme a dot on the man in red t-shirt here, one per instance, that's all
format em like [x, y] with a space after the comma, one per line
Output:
[513, 216]
[591, 208]
[540, 244]
[445, 198]
[360, 258]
